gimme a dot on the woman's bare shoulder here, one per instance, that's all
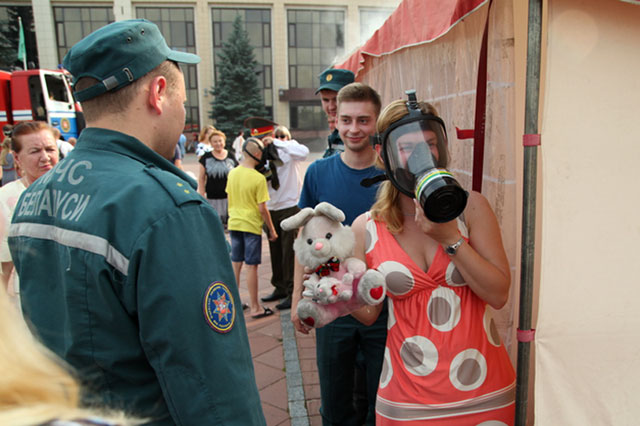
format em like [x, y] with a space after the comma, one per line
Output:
[477, 205]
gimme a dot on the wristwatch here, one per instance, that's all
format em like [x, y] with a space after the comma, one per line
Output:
[453, 248]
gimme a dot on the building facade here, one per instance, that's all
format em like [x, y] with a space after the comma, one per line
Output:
[294, 41]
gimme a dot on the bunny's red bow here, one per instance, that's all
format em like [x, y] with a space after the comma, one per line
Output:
[326, 268]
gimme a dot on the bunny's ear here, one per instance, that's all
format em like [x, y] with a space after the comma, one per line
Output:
[330, 211]
[297, 220]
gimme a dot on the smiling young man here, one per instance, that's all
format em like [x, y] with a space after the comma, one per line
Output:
[337, 180]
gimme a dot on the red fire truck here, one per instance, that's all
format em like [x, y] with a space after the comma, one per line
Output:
[43, 95]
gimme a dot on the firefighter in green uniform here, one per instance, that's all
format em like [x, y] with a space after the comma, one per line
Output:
[124, 268]
[331, 81]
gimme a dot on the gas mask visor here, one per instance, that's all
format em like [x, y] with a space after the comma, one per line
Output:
[407, 152]
[409, 149]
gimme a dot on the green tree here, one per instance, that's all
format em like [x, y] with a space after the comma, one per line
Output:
[9, 36]
[237, 93]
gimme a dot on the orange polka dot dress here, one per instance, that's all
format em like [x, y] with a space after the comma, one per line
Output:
[444, 362]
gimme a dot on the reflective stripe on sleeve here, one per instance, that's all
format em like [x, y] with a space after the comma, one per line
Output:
[74, 239]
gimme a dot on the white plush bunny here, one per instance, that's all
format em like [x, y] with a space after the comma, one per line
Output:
[339, 283]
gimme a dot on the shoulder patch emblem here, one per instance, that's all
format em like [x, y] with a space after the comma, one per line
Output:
[219, 307]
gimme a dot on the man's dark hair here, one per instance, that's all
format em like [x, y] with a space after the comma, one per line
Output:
[359, 92]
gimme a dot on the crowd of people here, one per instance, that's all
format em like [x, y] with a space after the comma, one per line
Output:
[137, 310]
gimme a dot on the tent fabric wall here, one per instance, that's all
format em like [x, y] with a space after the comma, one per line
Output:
[421, 21]
[587, 340]
[588, 330]
[444, 73]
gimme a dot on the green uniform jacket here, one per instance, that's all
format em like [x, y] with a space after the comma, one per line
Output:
[125, 273]
[335, 144]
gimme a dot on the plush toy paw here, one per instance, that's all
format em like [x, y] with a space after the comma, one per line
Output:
[355, 266]
[372, 288]
[313, 315]
[345, 290]
[307, 312]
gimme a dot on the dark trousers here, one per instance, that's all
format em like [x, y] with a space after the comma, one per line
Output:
[281, 250]
[337, 347]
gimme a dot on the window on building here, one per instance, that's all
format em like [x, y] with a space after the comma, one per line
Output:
[315, 40]
[371, 20]
[307, 115]
[177, 25]
[75, 23]
[257, 23]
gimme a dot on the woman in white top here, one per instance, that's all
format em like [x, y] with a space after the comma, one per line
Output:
[283, 203]
[204, 144]
[35, 153]
[237, 145]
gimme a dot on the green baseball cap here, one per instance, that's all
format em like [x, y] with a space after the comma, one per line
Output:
[335, 79]
[119, 54]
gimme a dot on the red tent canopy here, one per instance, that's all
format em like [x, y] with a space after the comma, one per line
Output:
[420, 21]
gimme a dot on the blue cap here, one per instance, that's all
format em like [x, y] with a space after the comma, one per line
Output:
[119, 54]
[335, 79]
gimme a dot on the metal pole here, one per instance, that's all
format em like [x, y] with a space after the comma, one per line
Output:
[529, 205]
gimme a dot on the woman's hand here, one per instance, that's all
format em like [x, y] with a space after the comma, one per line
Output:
[444, 233]
[482, 261]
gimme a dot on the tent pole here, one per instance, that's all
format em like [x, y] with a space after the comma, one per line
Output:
[529, 207]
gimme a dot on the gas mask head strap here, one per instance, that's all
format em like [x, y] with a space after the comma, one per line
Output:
[253, 141]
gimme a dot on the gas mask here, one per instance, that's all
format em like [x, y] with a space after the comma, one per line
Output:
[408, 148]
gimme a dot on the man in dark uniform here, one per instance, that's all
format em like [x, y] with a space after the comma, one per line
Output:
[331, 81]
[124, 268]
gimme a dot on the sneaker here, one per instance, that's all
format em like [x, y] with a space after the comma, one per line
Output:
[285, 304]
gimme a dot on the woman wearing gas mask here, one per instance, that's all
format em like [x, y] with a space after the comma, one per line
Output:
[441, 252]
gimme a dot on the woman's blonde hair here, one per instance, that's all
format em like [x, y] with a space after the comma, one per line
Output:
[36, 387]
[283, 131]
[386, 208]
[203, 132]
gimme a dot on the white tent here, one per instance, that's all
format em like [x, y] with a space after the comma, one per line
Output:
[585, 277]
